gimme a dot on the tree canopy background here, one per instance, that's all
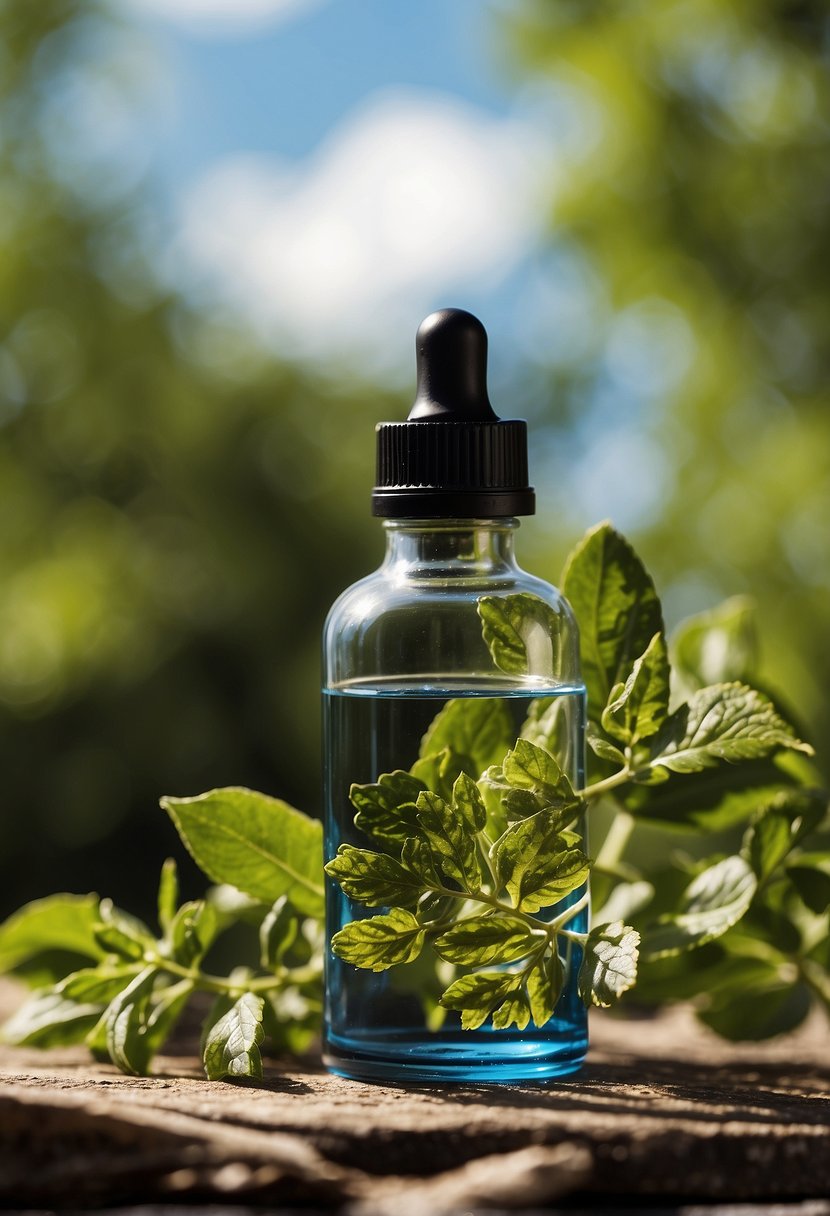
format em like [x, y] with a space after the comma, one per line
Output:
[178, 508]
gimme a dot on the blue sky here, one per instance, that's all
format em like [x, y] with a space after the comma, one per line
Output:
[328, 172]
[335, 169]
[279, 87]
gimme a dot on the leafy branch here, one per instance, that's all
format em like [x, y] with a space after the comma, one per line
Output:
[103, 978]
[503, 838]
[689, 744]
[533, 864]
[475, 858]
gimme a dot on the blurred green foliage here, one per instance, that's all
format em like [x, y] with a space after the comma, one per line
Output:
[690, 169]
[176, 515]
[177, 510]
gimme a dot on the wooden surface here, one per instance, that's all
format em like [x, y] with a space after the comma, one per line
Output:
[663, 1113]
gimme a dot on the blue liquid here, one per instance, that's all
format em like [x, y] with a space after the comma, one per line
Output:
[386, 1026]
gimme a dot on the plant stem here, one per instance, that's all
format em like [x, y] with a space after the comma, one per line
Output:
[555, 925]
[222, 986]
[481, 897]
[440, 926]
[602, 787]
[484, 853]
[573, 936]
[550, 928]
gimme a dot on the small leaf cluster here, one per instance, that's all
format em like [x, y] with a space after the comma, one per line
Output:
[497, 880]
[476, 859]
[102, 977]
[684, 740]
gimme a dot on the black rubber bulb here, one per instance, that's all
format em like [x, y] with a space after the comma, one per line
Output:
[452, 369]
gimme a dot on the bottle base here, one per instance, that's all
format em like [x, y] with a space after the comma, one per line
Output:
[411, 1059]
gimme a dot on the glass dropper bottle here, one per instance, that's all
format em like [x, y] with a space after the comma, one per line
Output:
[400, 646]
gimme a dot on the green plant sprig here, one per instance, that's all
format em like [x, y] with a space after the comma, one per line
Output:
[472, 797]
[101, 977]
[476, 859]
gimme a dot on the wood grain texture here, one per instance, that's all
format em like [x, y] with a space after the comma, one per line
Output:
[663, 1111]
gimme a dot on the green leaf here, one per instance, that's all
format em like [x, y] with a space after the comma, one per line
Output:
[467, 800]
[374, 879]
[451, 840]
[715, 900]
[535, 864]
[766, 931]
[641, 708]
[192, 931]
[757, 1004]
[380, 942]
[261, 845]
[521, 804]
[432, 907]
[476, 996]
[123, 1024]
[532, 728]
[768, 843]
[166, 1008]
[120, 933]
[232, 1043]
[64, 923]
[416, 856]
[727, 722]
[277, 933]
[616, 607]
[609, 965]
[528, 767]
[810, 875]
[493, 786]
[386, 808]
[492, 938]
[219, 1007]
[602, 747]
[49, 1019]
[718, 646]
[806, 808]
[514, 1011]
[96, 1041]
[516, 804]
[98, 985]
[439, 771]
[475, 727]
[519, 631]
[548, 724]
[713, 799]
[168, 896]
[545, 982]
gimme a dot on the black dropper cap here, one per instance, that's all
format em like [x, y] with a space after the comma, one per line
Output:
[453, 458]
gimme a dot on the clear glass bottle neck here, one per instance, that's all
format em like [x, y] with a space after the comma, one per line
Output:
[466, 548]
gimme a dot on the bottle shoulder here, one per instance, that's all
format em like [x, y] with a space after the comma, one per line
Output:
[383, 626]
[362, 600]
[377, 594]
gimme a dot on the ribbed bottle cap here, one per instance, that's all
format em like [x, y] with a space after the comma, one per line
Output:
[453, 458]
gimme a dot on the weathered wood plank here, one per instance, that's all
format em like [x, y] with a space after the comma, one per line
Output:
[663, 1110]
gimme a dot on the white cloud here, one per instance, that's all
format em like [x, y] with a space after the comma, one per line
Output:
[413, 199]
[222, 18]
